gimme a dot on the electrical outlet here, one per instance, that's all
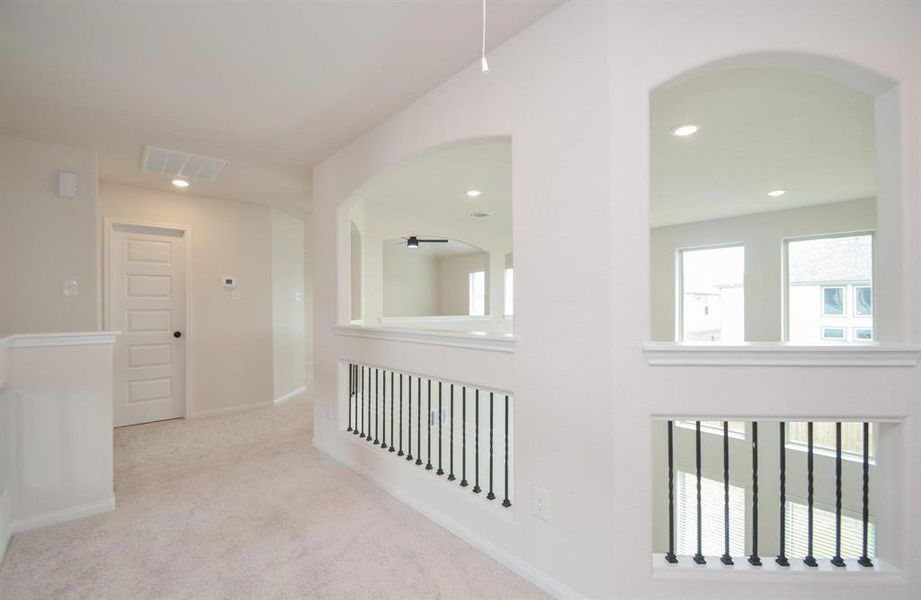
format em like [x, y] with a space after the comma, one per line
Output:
[540, 503]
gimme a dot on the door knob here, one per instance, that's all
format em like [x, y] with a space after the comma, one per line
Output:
[177, 334]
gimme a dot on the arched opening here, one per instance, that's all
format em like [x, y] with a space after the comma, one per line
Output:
[436, 241]
[769, 203]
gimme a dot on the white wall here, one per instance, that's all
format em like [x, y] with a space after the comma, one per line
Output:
[410, 282]
[45, 239]
[288, 326]
[454, 282]
[56, 447]
[230, 341]
[762, 235]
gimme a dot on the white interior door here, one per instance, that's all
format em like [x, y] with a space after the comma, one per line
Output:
[147, 303]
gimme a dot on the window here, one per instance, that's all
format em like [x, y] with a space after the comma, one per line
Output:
[863, 301]
[711, 502]
[476, 290]
[829, 289]
[863, 334]
[711, 298]
[823, 543]
[832, 301]
[833, 333]
[509, 292]
[736, 428]
[823, 437]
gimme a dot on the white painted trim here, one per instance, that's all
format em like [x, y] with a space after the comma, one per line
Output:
[435, 319]
[230, 409]
[5, 525]
[290, 395]
[109, 225]
[65, 514]
[552, 586]
[779, 354]
[453, 339]
[45, 340]
[685, 569]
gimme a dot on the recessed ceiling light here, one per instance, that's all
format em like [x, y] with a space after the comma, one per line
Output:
[776, 193]
[180, 183]
[473, 193]
[685, 130]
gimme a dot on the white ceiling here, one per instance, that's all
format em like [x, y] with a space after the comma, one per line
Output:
[432, 189]
[274, 87]
[761, 129]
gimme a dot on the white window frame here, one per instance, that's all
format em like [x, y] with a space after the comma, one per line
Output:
[679, 283]
[470, 294]
[785, 267]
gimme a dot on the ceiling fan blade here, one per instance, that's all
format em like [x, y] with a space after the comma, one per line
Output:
[421, 241]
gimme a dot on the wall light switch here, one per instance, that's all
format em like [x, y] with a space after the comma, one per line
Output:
[70, 287]
[68, 184]
[298, 296]
[540, 503]
[235, 295]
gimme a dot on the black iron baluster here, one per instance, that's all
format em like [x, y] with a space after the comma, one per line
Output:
[809, 561]
[361, 396]
[476, 443]
[368, 433]
[428, 431]
[392, 449]
[451, 437]
[864, 560]
[699, 557]
[463, 482]
[440, 471]
[377, 389]
[836, 559]
[506, 502]
[351, 390]
[400, 452]
[384, 412]
[726, 559]
[670, 555]
[754, 559]
[490, 495]
[782, 557]
[419, 420]
[409, 421]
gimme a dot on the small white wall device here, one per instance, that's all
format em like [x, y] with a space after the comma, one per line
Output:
[67, 185]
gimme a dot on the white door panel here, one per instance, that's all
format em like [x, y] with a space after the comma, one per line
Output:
[147, 283]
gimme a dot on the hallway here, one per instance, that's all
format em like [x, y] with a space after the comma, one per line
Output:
[242, 506]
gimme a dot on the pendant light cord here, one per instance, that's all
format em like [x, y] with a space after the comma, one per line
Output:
[484, 65]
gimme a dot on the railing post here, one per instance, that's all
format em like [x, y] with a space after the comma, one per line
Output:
[809, 560]
[418, 420]
[361, 395]
[726, 559]
[490, 495]
[391, 449]
[451, 476]
[836, 560]
[428, 430]
[400, 452]
[782, 557]
[409, 421]
[754, 559]
[670, 555]
[351, 390]
[699, 557]
[377, 389]
[506, 502]
[463, 482]
[440, 471]
[864, 560]
[476, 444]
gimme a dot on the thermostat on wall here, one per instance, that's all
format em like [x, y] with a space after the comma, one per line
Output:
[229, 282]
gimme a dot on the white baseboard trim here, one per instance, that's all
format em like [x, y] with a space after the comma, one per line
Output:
[291, 394]
[66, 514]
[552, 586]
[230, 409]
[5, 525]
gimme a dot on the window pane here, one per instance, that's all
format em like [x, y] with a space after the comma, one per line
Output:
[711, 496]
[829, 289]
[863, 334]
[477, 293]
[823, 437]
[712, 295]
[834, 301]
[509, 292]
[823, 542]
[863, 301]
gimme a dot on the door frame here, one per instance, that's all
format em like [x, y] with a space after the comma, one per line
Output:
[109, 225]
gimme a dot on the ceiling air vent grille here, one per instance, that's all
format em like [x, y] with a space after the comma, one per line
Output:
[181, 164]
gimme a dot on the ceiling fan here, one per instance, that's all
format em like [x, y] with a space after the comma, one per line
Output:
[413, 241]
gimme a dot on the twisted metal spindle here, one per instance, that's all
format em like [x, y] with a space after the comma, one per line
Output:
[699, 557]
[506, 502]
[670, 555]
[476, 445]
[810, 560]
[753, 558]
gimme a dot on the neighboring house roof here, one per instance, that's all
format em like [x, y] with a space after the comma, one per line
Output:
[831, 260]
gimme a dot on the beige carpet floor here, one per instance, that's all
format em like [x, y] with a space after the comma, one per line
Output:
[241, 506]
